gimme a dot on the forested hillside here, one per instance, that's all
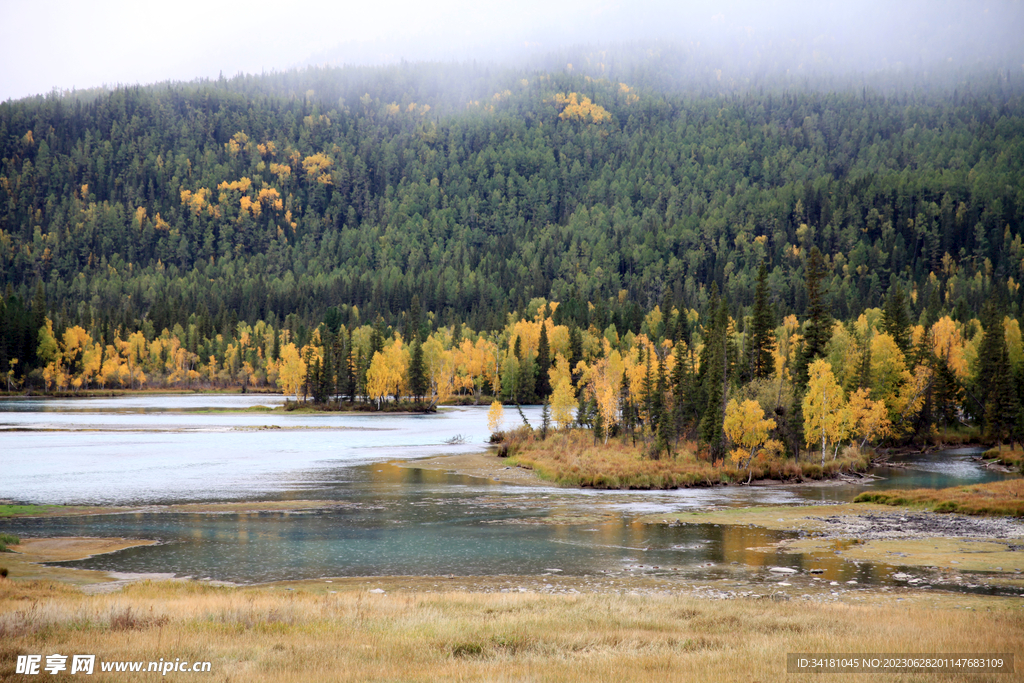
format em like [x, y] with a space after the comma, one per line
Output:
[342, 194]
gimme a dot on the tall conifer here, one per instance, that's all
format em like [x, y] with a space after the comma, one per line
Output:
[762, 330]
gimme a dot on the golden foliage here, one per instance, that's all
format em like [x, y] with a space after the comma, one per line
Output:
[292, 370]
[241, 185]
[948, 344]
[495, 417]
[826, 415]
[282, 171]
[316, 165]
[870, 418]
[746, 426]
[576, 109]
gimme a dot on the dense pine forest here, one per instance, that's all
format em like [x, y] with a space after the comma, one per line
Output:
[652, 250]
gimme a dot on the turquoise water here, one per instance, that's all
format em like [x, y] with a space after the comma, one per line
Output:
[393, 519]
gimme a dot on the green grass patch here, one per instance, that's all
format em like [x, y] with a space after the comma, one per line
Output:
[6, 540]
[997, 498]
[27, 510]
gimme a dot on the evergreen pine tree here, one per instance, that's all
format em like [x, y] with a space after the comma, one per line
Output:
[543, 364]
[417, 372]
[325, 378]
[715, 381]
[666, 432]
[376, 338]
[819, 320]
[762, 329]
[647, 394]
[545, 420]
[682, 380]
[993, 342]
[415, 319]
[575, 351]
[667, 323]
[896, 318]
[1002, 407]
[682, 332]
[628, 409]
[351, 368]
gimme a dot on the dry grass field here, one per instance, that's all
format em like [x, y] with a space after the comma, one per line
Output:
[996, 498]
[275, 634]
[572, 458]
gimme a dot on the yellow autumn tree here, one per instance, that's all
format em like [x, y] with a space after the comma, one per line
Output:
[563, 395]
[603, 379]
[133, 351]
[826, 415]
[888, 369]
[48, 352]
[495, 417]
[441, 369]
[114, 368]
[746, 426]
[317, 167]
[844, 355]
[870, 419]
[477, 365]
[576, 108]
[292, 370]
[948, 344]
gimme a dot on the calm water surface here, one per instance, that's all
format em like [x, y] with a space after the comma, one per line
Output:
[394, 519]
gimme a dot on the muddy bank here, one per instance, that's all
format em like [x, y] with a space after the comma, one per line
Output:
[27, 561]
[485, 465]
[897, 537]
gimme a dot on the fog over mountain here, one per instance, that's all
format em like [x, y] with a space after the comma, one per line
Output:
[80, 46]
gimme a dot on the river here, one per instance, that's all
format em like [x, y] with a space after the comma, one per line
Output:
[393, 518]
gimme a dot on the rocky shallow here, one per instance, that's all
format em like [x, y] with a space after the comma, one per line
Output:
[904, 524]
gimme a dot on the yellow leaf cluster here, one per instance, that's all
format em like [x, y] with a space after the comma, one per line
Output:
[388, 371]
[271, 198]
[316, 164]
[241, 185]
[948, 344]
[282, 171]
[268, 149]
[495, 417]
[746, 425]
[198, 200]
[160, 224]
[826, 415]
[576, 109]
[477, 365]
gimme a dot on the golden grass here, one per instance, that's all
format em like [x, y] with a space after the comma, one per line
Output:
[571, 458]
[997, 498]
[1010, 458]
[269, 634]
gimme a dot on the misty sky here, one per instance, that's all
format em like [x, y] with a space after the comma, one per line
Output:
[63, 44]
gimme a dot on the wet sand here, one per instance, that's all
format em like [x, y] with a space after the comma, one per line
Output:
[867, 532]
[26, 561]
[485, 465]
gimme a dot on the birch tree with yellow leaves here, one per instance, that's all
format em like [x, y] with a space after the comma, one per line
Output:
[746, 426]
[826, 415]
[563, 395]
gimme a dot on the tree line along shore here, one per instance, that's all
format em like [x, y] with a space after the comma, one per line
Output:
[692, 264]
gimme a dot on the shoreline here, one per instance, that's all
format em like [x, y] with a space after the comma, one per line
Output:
[845, 533]
[805, 586]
